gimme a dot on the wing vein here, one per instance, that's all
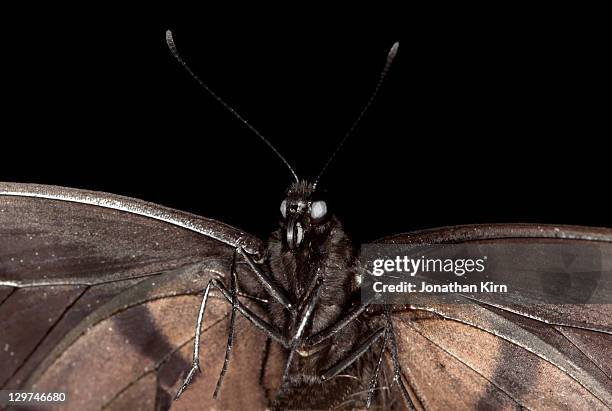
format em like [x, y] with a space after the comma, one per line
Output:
[560, 331]
[80, 282]
[559, 366]
[469, 366]
[533, 317]
[45, 335]
[8, 295]
[162, 361]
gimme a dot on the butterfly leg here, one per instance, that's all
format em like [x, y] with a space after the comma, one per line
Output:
[394, 355]
[347, 319]
[268, 329]
[353, 314]
[297, 338]
[195, 363]
[274, 290]
[237, 305]
[397, 371]
[374, 379]
[351, 358]
[230, 334]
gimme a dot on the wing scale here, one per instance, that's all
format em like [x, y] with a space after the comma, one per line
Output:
[97, 296]
[507, 355]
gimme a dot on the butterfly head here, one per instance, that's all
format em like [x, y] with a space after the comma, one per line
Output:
[305, 215]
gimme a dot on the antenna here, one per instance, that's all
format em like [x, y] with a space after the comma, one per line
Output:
[390, 57]
[177, 56]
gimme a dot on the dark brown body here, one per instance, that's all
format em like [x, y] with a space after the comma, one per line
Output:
[326, 252]
[335, 259]
[118, 333]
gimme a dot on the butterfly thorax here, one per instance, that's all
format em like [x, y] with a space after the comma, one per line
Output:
[324, 257]
[331, 263]
[309, 250]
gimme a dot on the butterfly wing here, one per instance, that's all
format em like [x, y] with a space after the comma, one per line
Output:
[507, 354]
[99, 295]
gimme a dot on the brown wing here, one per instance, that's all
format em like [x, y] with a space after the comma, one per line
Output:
[133, 352]
[98, 298]
[493, 355]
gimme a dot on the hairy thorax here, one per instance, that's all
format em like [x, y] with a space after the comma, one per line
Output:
[332, 262]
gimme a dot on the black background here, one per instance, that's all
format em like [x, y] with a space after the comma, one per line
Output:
[495, 116]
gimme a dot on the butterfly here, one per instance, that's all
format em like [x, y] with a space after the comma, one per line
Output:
[124, 304]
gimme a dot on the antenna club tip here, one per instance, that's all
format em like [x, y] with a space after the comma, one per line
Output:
[170, 43]
[170, 39]
[393, 50]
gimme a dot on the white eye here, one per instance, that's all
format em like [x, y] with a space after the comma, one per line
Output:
[283, 208]
[318, 210]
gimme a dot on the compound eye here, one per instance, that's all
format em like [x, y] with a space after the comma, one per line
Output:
[283, 208]
[318, 210]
